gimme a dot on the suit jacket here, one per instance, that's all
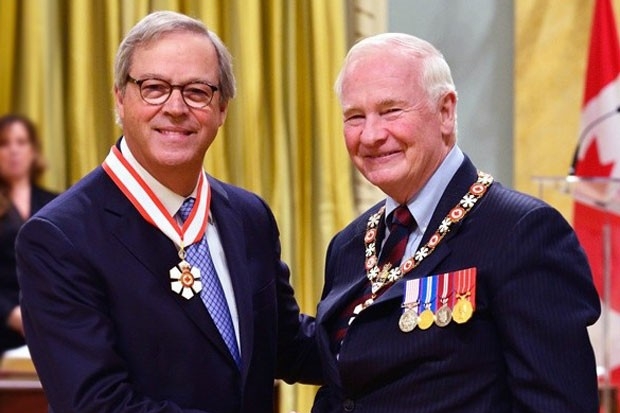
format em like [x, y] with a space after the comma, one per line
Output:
[106, 332]
[10, 223]
[526, 348]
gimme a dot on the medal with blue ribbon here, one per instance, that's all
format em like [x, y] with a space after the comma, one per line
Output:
[428, 294]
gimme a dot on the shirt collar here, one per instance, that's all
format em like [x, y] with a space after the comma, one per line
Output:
[170, 199]
[423, 204]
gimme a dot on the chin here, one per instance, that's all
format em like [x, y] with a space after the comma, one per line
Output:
[380, 176]
[381, 182]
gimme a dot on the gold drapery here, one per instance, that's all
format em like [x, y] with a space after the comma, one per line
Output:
[282, 138]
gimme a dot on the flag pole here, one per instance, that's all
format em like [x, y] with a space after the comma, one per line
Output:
[606, 401]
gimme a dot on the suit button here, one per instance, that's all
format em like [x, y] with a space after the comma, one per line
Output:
[348, 405]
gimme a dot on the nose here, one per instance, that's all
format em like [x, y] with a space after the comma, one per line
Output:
[373, 130]
[13, 147]
[175, 105]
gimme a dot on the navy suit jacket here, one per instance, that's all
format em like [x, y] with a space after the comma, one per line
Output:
[526, 348]
[106, 332]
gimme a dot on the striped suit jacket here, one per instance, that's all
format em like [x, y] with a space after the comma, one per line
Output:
[526, 348]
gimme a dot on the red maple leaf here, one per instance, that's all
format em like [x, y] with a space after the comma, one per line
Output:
[591, 165]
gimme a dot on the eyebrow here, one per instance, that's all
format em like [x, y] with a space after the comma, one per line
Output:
[350, 110]
[381, 104]
[391, 102]
[159, 77]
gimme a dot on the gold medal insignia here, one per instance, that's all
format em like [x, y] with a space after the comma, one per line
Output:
[462, 311]
[426, 319]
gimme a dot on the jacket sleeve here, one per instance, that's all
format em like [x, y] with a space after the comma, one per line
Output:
[298, 357]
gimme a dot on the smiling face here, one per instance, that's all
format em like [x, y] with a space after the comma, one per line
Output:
[394, 135]
[170, 140]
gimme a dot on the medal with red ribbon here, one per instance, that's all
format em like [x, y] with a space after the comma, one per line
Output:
[465, 291]
[185, 279]
[443, 315]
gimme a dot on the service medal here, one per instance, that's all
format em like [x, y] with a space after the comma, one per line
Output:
[465, 289]
[428, 291]
[443, 316]
[408, 320]
[463, 310]
[426, 319]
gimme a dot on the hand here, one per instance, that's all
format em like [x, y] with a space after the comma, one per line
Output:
[14, 321]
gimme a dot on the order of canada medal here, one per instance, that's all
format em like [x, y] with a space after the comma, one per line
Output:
[185, 280]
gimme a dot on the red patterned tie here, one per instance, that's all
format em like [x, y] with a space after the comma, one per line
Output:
[402, 224]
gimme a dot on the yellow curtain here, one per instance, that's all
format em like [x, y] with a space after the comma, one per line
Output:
[282, 138]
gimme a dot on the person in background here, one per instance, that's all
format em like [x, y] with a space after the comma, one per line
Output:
[150, 286]
[455, 293]
[21, 165]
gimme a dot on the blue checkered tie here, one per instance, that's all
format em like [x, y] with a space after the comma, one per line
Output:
[212, 294]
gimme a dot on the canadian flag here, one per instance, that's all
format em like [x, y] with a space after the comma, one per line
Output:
[597, 197]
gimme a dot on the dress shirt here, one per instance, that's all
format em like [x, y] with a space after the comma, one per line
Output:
[423, 204]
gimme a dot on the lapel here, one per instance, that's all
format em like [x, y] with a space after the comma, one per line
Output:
[233, 239]
[458, 186]
[157, 253]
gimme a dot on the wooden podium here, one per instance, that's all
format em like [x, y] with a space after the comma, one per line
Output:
[20, 389]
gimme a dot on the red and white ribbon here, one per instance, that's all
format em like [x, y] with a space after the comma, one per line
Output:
[151, 208]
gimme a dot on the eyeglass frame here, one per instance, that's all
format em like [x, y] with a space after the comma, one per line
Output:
[139, 82]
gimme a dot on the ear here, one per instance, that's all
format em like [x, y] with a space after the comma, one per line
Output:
[447, 113]
[223, 108]
[119, 98]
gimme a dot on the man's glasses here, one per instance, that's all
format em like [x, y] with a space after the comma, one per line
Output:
[156, 92]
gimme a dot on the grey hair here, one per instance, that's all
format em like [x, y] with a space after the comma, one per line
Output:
[436, 76]
[160, 23]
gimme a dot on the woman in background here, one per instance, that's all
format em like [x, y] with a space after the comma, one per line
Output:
[21, 164]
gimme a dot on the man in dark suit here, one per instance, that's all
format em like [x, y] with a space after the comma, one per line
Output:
[455, 294]
[149, 286]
